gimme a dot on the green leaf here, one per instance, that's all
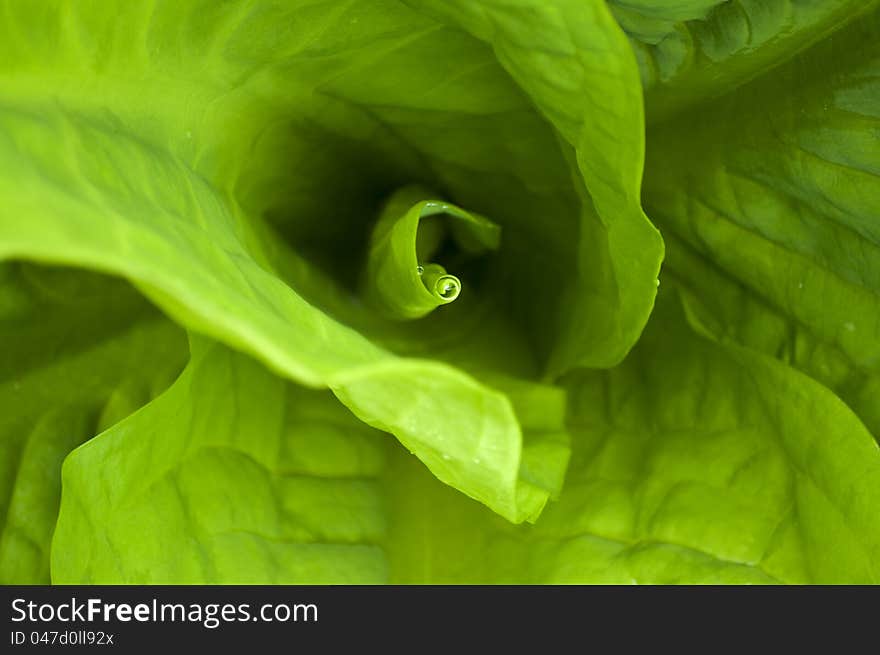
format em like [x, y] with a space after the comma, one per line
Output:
[78, 352]
[241, 477]
[478, 451]
[236, 476]
[769, 199]
[693, 50]
[694, 463]
[577, 66]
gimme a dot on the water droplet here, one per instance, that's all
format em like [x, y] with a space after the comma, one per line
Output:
[800, 285]
[420, 269]
[657, 282]
[849, 327]
[446, 457]
[477, 460]
[189, 134]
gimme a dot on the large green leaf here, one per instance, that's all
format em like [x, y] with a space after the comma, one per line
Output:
[769, 198]
[240, 477]
[78, 352]
[576, 64]
[236, 476]
[694, 463]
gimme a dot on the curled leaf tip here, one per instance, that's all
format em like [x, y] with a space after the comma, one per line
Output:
[442, 285]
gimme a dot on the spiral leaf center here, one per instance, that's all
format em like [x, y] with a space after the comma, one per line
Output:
[395, 283]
